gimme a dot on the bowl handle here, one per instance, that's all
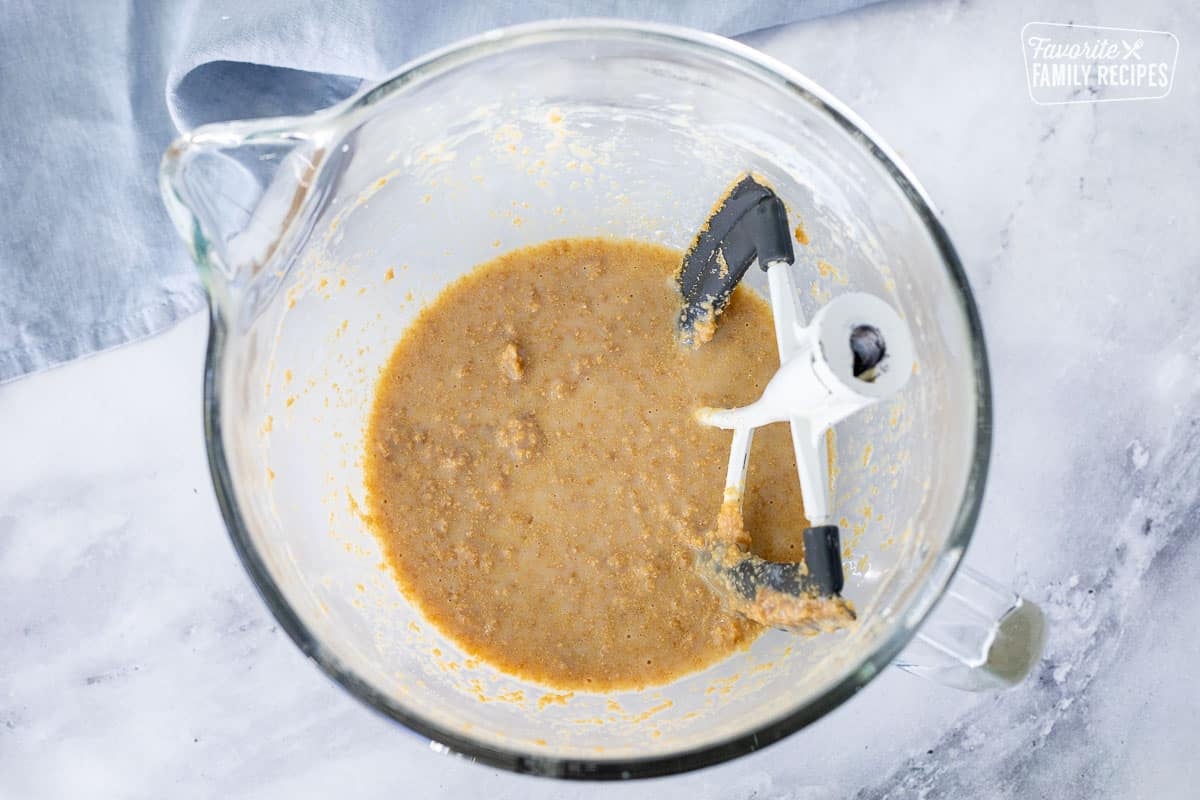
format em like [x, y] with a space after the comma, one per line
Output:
[980, 637]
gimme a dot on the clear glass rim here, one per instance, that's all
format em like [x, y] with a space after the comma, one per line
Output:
[920, 602]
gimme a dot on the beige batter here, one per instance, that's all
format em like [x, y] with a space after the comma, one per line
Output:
[538, 482]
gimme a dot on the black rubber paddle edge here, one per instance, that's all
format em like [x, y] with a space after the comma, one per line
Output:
[820, 574]
[751, 222]
[823, 557]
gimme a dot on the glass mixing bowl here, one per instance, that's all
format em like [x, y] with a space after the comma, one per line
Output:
[320, 238]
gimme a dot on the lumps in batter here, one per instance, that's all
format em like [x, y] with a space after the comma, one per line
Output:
[537, 480]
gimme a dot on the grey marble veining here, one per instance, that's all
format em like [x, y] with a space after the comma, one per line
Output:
[136, 659]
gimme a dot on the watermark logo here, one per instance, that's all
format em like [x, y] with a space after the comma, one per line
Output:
[1067, 63]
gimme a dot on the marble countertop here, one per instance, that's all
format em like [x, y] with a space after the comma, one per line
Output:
[136, 659]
